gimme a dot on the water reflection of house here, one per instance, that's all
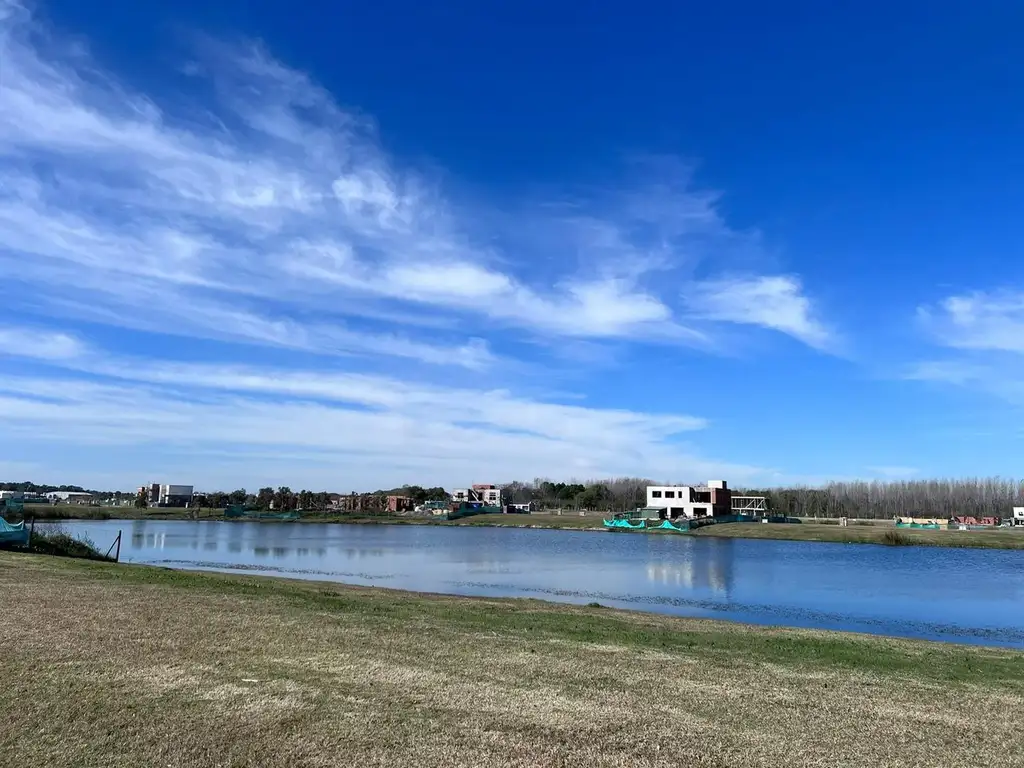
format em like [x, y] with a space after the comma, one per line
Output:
[707, 568]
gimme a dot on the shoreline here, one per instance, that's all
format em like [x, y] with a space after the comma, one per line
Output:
[277, 672]
[1000, 538]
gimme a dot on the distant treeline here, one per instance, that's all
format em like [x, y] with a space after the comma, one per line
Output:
[923, 498]
[285, 498]
[34, 488]
[617, 494]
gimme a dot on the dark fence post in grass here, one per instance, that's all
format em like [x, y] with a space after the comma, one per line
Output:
[31, 530]
[117, 543]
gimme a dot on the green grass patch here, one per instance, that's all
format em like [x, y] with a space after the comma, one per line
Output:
[994, 539]
[131, 665]
[529, 618]
[895, 538]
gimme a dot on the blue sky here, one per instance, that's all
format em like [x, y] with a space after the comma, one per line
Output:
[347, 246]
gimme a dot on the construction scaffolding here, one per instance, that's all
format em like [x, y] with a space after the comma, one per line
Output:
[363, 502]
[748, 504]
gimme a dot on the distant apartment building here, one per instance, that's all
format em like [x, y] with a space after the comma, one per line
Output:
[689, 501]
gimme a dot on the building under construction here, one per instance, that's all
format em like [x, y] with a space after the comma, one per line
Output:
[374, 503]
[480, 499]
[481, 493]
[696, 501]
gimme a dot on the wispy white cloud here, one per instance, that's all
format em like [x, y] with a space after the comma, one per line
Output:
[999, 375]
[377, 425]
[46, 345]
[979, 321]
[959, 372]
[265, 214]
[492, 409]
[983, 332]
[377, 429]
[775, 302]
[286, 196]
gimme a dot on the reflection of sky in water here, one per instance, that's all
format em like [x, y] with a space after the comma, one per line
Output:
[970, 595]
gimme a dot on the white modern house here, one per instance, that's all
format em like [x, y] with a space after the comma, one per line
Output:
[1018, 516]
[688, 501]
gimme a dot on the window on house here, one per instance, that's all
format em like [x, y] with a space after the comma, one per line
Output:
[655, 494]
[670, 494]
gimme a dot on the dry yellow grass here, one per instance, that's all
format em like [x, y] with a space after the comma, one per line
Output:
[998, 538]
[125, 666]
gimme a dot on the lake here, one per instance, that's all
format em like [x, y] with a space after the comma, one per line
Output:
[962, 595]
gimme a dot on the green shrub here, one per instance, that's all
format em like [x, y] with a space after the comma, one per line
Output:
[54, 540]
[895, 538]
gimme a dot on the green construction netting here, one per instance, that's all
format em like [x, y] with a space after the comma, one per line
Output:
[13, 532]
[667, 525]
[625, 524]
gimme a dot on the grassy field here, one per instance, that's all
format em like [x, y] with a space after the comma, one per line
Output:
[868, 534]
[84, 512]
[109, 665]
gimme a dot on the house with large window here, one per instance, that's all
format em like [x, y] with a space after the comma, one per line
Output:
[689, 501]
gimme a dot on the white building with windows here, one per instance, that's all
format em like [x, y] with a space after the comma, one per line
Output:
[1018, 516]
[688, 501]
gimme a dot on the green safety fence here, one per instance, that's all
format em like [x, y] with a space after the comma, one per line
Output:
[13, 533]
[626, 524]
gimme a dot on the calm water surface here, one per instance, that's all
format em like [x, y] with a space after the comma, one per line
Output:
[963, 595]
